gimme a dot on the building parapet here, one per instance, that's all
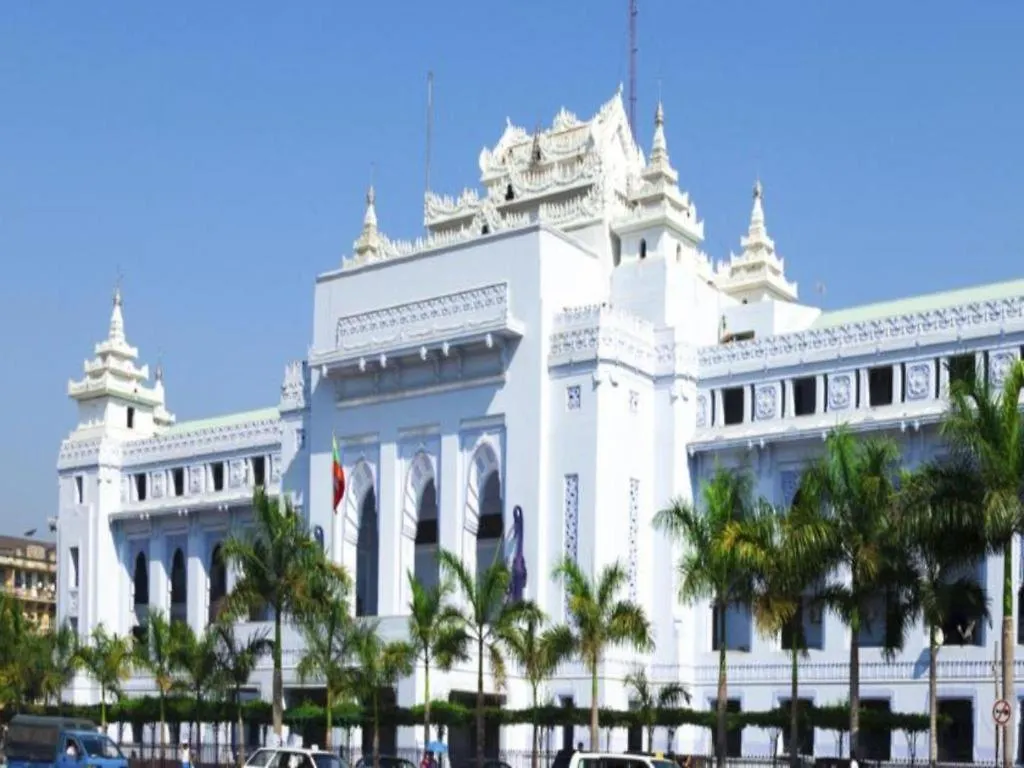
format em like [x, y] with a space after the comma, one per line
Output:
[928, 327]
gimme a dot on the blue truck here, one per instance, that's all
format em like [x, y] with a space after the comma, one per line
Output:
[36, 741]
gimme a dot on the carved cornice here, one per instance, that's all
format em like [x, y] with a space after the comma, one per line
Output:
[933, 326]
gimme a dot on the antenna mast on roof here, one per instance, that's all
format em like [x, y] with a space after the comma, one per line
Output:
[430, 130]
[632, 66]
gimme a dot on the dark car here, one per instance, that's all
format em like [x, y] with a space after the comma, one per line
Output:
[386, 761]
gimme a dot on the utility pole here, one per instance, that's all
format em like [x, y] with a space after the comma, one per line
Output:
[995, 679]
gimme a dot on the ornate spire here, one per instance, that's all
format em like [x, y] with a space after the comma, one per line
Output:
[757, 240]
[116, 332]
[659, 167]
[367, 247]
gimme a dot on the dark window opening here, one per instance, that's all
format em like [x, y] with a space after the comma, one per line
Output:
[178, 479]
[131, 417]
[509, 193]
[744, 301]
[961, 628]
[956, 739]
[734, 740]
[217, 471]
[567, 702]
[876, 744]
[732, 405]
[179, 587]
[485, 230]
[962, 368]
[643, 249]
[880, 386]
[731, 338]
[139, 633]
[140, 486]
[616, 251]
[79, 489]
[140, 581]
[259, 471]
[805, 732]
[805, 396]
[218, 582]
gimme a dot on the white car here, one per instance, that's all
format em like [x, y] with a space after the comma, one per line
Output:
[619, 760]
[294, 757]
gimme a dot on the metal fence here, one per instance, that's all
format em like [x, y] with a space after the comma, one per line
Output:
[215, 755]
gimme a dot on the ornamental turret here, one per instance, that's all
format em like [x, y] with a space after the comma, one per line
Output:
[114, 396]
[757, 273]
[368, 246]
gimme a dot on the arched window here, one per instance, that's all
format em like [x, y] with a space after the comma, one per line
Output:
[616, 250]
[140, 581]
[643, 248]
[367, 555]
[490, 530]
[679, 252]
[179, 586]
[426, 567]
[510, 193]
[218, 581]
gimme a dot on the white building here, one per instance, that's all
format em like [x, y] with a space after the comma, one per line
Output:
[558, 341]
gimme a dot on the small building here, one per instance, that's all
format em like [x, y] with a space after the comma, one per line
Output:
[28, 573]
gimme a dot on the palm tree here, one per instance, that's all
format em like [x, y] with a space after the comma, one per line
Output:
[538, 652]
[771, 545]
[654, 699]
[109, 658]
[329, 635]
[379, 666]
[708, 569]
[64, 659]
[238, 659]
[853, 486]
[938, 530]
[599, 620]
[485, 622]
[154, 651]
[196, 657]
[434, 633]
[988, 433]
[274, 561]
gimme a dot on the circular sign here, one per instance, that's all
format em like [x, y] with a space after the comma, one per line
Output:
[1001, 712]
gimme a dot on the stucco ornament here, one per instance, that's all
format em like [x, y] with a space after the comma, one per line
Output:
[840, 388]
[195, 479]
[999, 366]
[702, 410]
[766, 402]
[918, 381]
[157, 483]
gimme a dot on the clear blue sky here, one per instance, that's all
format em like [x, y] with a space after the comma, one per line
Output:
[219, 153]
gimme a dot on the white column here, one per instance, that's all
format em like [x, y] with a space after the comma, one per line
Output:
[389, 517]
[197, 610]
[159, 589]
[719, 410]
[820, 393]
[943, 374]
[789, 411]
[897, 383]
[748, 403]
[864, 396]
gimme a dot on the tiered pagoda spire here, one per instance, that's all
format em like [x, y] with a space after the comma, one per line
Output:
[758, 272]
[368, 246]
[113, 376]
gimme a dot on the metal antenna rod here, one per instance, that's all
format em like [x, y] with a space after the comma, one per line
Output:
[632, 65]
[430, 129]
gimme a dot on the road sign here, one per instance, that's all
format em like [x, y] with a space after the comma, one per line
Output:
[1001, 712]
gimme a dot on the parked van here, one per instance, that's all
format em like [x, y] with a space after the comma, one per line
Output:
[35, 741]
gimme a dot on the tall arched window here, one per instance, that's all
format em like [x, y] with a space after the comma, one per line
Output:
[140, 581]
[179, 587]
[491, 530]
[643, 248]
[426, 568]
[218, 581]
[367, 556]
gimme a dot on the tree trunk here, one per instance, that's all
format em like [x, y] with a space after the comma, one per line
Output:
[480, 701]
[239, 751]
[594, 744]
[103, 708]
[328, 740]
[1009, 642]
[426, 697]
[376, 731]
[650, 738]
[722, 740]
[534, 753]
[277, 685]
[854, 691]
[163, 720]
[794, 703]
[933, 703]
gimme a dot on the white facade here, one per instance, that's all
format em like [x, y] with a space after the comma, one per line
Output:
[558, 342]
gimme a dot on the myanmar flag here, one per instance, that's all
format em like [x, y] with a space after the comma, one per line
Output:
[338, 475]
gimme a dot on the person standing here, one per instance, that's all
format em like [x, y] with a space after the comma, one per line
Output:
[186, 755]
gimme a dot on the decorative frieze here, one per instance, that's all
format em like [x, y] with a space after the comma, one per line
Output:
[573, 397]
[571, 521]
[973, 319]
[258, 432]
[196, 479]
[841, 391]
[703, 412]
[634, 535]
[236, 473]
[1000, 362]
[276, 468]
[156, 484]
[767, 401]
[293, 388]
[919, 384]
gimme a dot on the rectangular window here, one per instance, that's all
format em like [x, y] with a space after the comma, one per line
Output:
[130, 418]
[73, 576]
[962, 368]
[79, 489]
[805, 735]
[880, 386]
[734, 741]
[573, 397]
[140, 486]
[805, 396]
[217, 473]
[733, 405]
[178, 480]
[876, 745]
[259, 471]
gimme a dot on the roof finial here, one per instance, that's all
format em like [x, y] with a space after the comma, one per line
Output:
[368, 244]
[659, 147]
[116, 332]
[757, 214]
